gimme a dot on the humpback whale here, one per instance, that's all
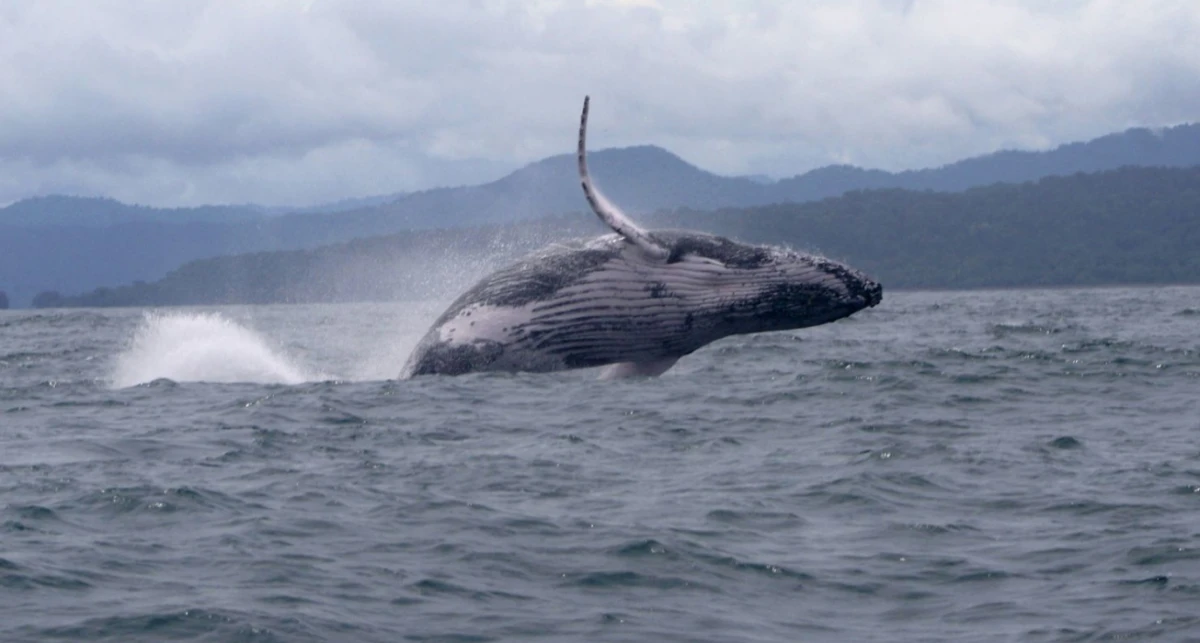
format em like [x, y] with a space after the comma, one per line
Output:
[634, 301]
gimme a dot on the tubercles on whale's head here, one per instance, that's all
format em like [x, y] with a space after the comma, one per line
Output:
[809, 290]
[763, 288]
[815, 289]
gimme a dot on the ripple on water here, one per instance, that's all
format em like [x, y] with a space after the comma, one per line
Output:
[951, 466]
[146, 500]
[1066, 442]
[1029, 328]
[185, 624]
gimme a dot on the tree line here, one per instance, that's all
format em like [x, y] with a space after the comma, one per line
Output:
[1125, 226]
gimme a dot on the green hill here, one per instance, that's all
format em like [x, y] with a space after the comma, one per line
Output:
[75, 244]
[1127, 226]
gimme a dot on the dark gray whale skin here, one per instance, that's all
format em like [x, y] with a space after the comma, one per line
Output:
[636, 301]
[601, 303]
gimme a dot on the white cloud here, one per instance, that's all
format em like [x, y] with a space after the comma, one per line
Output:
[283, 102]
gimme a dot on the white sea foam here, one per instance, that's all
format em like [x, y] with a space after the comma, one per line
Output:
[203, 347]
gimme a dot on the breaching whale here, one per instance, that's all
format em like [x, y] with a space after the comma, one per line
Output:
[635, 301]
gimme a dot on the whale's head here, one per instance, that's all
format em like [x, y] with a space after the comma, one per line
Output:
[744, 288]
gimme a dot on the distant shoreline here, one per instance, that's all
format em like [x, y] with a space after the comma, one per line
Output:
[1037, 288]
[1120, 208]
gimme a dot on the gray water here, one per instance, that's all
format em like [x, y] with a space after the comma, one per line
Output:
[979, 466]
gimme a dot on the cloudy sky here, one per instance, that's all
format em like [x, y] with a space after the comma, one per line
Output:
[302, 101]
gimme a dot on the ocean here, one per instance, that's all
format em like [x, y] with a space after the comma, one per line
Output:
[1017, 465]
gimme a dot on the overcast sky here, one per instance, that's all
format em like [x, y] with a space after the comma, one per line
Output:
[296, 102]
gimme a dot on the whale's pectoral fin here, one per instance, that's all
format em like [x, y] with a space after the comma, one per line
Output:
[610, 214]
[652, 368]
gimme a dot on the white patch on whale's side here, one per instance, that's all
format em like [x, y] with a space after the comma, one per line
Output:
[483, 322]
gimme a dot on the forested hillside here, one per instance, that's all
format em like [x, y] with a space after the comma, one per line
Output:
[1127, 226]
[74, 244]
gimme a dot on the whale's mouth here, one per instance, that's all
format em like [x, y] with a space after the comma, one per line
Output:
[872, 293]
[861, 291]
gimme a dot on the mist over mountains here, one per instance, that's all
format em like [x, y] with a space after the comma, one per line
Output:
[71, 245]
[1132, 225]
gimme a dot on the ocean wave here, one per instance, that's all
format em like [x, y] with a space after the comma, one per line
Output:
[203, 347]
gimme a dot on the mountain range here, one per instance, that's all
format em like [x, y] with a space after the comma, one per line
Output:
[1127, 226]
[70, 244]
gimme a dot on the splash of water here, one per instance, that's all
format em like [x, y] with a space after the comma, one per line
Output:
[202, 347]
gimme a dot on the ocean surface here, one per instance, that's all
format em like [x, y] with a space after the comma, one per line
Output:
[1017, 465]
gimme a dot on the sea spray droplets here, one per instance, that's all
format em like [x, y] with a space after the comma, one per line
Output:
[202, 347]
